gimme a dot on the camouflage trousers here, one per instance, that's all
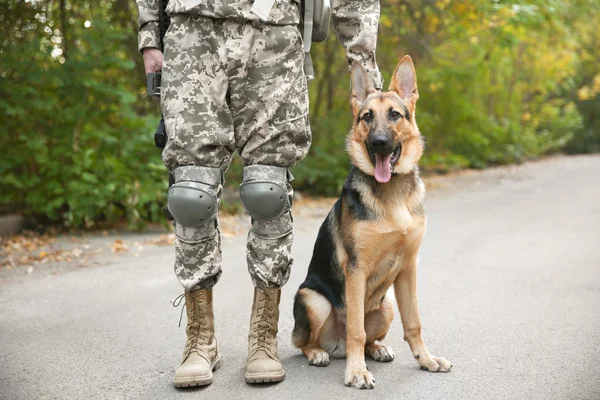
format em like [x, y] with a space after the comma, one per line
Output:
[234, 86]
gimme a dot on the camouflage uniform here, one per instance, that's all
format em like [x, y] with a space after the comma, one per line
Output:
[234, 82]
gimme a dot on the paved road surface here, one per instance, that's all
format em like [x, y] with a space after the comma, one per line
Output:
[509, 284]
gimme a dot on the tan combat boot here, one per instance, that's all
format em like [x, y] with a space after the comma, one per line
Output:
[201, 355]
[263, 362]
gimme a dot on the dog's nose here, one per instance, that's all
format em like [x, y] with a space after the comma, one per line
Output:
[380, 142]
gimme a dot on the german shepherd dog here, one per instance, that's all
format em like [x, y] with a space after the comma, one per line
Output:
[370, 239]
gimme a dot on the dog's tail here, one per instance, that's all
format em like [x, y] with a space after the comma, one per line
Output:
[301, 332]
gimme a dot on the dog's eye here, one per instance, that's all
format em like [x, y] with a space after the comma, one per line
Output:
[394, 115]
[368, 117]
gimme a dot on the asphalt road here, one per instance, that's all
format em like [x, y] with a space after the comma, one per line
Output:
[509, 291]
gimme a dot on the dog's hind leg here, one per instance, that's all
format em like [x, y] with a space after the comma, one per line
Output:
[302, 328]
[377, 325]
[316, 356]
[312, 313]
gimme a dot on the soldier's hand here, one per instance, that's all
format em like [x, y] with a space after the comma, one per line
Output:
[153, 60]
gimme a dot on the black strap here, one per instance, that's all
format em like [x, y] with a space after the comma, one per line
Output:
[160, 137]
[163, 21]
[306, 20]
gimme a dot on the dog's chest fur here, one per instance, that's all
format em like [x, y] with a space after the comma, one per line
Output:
[378, 222]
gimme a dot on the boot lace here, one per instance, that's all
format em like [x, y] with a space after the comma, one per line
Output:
[176, 304]
[197, 332]
[263, 325]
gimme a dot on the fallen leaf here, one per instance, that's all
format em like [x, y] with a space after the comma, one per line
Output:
[77, 252]
[162, 240]
[119, 246]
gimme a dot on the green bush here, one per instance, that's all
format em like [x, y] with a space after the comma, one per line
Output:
[499, 83]
[76, 149]
[326, 166]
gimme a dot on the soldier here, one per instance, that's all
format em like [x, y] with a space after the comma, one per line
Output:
[233, 80]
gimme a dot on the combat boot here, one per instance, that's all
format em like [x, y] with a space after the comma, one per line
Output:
[201, 355]
[263, 363]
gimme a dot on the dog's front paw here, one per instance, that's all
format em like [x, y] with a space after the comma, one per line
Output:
[435, 364]
[360, 378]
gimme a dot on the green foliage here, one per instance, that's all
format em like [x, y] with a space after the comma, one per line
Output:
[499, 82]
[585, 88]
[326, 168]
[76, 149]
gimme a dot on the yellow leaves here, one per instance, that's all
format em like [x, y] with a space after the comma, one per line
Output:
[442, 4]
[434, 87]
[548, 65]
[472, 15]
[584, 93]
[118, 247]
[526, 117]
[590, 91]
[460, 7]
[569, 107]
[505, 12]
[467, 11]
[596, 84]
[162, 240]
[563, 61]
[30, 249]
[432, 23]
[385, 21]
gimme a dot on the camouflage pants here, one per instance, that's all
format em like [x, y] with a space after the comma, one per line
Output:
[234, 86]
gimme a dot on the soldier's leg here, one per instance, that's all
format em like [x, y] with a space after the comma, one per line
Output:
[269, 101]
[270, 108]
[199, 148]
[193, 201]
[200, 134]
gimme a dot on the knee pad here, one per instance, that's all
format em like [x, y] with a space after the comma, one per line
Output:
[265, 192]
[193, 199]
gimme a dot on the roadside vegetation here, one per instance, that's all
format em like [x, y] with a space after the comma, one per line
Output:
[500, 82]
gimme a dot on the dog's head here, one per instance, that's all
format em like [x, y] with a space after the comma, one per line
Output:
[385, 139]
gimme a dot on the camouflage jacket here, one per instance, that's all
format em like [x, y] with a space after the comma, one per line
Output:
[355, 22]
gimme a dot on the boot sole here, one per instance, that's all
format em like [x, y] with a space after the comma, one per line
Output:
[265, 378]
[198, 380]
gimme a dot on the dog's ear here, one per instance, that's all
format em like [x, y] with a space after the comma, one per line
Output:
[362, 86]
[404, 82]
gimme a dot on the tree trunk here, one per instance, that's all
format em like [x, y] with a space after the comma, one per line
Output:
[63, 27]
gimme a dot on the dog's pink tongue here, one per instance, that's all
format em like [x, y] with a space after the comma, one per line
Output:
[383, 168]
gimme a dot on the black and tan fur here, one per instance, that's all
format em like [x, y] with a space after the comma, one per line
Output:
[370, 240]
